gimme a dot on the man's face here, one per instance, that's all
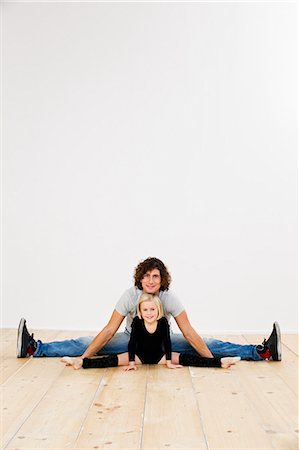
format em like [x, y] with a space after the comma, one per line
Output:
[151, 281]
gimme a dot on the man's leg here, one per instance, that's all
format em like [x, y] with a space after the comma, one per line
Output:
[28, 346]
[68, 347]
[76, 347]
[180, 345]
[217, 347]
[118, 344]
[270, 348]
[221, 349]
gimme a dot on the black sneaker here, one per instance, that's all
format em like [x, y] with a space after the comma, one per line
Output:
[26, 345]
[271, 348]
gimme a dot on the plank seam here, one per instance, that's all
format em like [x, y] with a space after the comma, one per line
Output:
[278, 374]
[15, 373]
[143, 413]
[89, 408]
[255, 411]
[199, 413]
[33, 408]
[289, 348]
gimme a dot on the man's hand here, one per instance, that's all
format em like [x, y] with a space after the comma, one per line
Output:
[76, 363]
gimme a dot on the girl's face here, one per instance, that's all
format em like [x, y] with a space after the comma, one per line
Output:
[149, 311]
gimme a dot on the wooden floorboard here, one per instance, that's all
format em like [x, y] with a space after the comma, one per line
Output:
[45, 405]
[291, 341]
[287, 369]
[227, 416]
[171, 417]
[115, 418]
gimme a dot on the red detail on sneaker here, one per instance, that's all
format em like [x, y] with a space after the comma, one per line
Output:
[30, 350]
[265, 355]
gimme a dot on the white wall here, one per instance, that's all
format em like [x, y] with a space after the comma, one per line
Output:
[150, 129]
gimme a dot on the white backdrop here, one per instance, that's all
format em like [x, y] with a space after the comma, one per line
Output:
[149, 129]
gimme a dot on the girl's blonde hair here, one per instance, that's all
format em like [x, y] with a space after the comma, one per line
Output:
[150, 298]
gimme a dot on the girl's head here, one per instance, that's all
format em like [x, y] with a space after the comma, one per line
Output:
[149, 306]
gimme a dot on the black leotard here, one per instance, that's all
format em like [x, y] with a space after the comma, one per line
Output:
[149, 347]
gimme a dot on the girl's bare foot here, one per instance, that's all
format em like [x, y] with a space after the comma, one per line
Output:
[75, 362]
[229, 361]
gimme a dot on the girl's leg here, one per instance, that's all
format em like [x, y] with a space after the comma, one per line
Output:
[108, 361]
[186, 359]
[176, 358]
[100, 362]
[229, 361]
[199, 361]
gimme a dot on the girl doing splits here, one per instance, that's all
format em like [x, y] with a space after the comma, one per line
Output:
[150, 344]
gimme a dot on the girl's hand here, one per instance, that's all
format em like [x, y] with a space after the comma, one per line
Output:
[76, 363]
[131, 366]
[173, 366]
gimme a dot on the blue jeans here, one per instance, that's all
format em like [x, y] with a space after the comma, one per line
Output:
[119, 344]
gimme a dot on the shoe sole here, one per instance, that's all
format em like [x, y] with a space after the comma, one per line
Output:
[278, 334]
[20, 338]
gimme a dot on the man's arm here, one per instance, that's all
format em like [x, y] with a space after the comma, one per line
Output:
[105, 335]
[191, 336]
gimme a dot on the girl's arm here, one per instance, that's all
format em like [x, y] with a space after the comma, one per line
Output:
[132, 347]
[131, 366]
[166, 339]
[167, 346]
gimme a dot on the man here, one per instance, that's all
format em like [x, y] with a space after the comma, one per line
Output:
[151, 276]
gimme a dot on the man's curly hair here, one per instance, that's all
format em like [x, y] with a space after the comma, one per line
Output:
[148, 265]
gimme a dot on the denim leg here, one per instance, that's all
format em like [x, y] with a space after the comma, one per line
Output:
[118, 344]
[69, 347]
[76, 347]
[221, 349]
[180, 345]
[217, 347]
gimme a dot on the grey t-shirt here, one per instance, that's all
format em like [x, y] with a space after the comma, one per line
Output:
[127, 305]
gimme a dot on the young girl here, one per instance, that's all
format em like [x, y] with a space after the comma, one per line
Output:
[150, 344]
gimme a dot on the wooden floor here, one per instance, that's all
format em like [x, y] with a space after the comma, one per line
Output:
[48, 406]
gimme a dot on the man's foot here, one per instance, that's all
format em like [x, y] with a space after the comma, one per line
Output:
[271, 348]
[26, 345]
[229, 361]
